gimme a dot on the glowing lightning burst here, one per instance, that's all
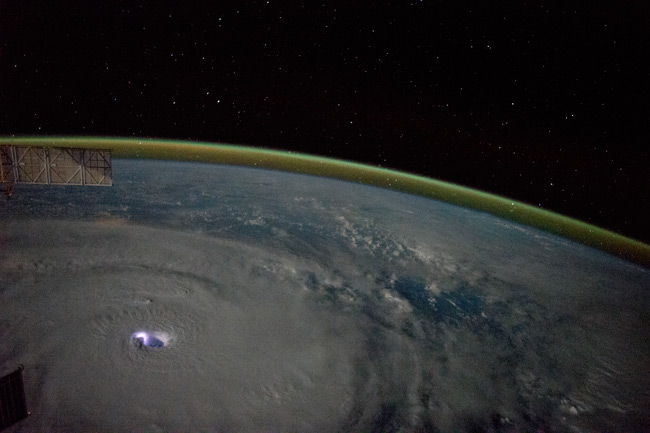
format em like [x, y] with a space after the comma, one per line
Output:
[151, 340]
[142, 336]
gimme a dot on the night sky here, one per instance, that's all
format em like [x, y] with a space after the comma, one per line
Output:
[546, 102]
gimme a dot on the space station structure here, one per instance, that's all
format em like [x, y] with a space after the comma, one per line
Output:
[55, 165]
[13, 406]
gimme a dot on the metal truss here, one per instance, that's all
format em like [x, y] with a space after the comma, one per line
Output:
[54, 165]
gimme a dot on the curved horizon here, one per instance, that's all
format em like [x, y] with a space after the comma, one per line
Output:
[229, 154]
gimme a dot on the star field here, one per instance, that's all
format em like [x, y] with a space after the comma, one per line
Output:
[544, 102]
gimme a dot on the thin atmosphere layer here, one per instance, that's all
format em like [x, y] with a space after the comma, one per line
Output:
[579, 231]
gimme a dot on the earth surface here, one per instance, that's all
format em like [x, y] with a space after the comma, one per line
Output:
[197, 297]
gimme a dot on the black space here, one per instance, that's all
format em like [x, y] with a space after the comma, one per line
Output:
[542, 101]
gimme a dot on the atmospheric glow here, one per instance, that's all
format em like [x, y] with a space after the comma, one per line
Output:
[360, 173]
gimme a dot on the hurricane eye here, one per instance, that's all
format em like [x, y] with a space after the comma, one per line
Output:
[150, 340]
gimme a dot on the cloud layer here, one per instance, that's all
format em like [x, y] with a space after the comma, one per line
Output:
[290, 303]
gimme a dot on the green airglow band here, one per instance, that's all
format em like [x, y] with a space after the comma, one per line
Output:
[587, 234]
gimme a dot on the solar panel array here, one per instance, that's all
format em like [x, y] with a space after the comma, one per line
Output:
[13, 407]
